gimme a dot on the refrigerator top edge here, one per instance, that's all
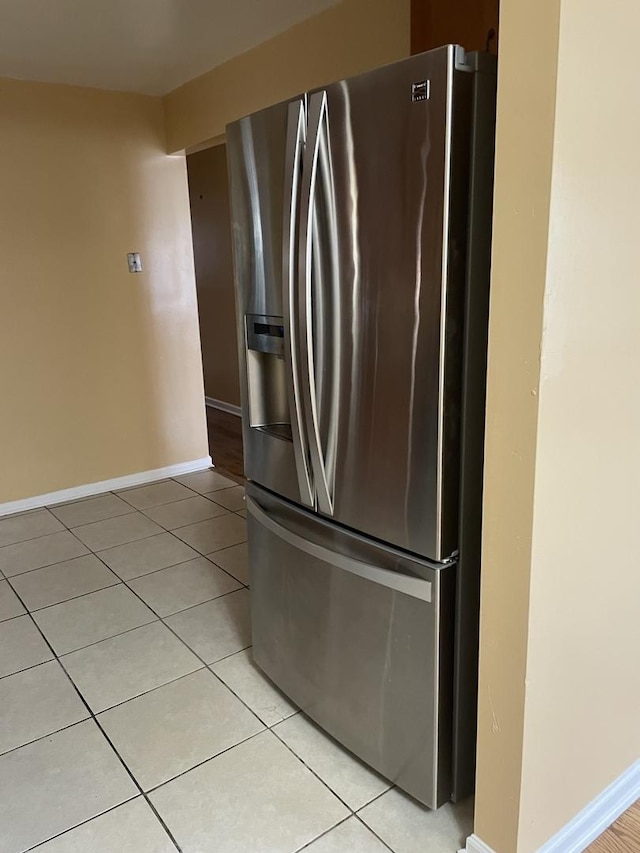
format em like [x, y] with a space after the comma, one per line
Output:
[461, 61]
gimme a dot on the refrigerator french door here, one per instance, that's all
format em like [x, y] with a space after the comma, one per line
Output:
[350, 219]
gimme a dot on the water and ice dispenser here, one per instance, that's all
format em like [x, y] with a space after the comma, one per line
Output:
[266, 374]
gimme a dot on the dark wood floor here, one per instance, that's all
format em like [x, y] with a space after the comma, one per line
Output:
[225, 442]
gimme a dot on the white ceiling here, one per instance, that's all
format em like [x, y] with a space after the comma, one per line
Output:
[149, 46]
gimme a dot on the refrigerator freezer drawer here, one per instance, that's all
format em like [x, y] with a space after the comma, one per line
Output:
[359, 636]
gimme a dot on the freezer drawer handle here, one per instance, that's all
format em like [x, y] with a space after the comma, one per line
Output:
[415, 587]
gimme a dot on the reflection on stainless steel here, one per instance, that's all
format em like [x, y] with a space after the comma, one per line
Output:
[266, 375]
[416, 587]
[369, 662]
[312, 247]
[349, 209]
[256, 148]
[296, 132]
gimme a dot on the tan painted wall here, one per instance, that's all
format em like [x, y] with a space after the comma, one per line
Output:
[100, 370]
[353, 36]
[582, 717]
[559, 684]
[526, 86]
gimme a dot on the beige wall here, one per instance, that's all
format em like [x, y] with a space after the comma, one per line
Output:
[525, 122]
[353, 36]
[582, 718]
[559, 684]
[100, 370]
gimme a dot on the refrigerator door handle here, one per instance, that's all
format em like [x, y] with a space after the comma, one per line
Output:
[316, 120]
[415, 587]
[296, 126]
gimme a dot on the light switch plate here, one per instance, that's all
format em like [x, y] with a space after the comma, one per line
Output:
[134, 261]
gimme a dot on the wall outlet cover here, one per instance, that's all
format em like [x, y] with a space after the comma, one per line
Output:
[134, 261]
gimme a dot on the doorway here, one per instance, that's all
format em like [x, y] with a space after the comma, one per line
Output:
[211, 229]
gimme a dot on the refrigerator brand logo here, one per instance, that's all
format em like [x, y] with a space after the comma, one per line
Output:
[420, 91]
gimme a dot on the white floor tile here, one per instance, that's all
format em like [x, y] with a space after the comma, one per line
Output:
[352, 781]
[254, 797]
[349, 837]
[216, 629]
[171, 729]
[62, 581]
[91, 509]
[214, 534]
[116, 531]
[21, 646]
[254, 688]
[131, 828]
[206, 481]
[232, 499]
[35, 703]
[181, 513]
[408, 827]
[234, 560]
[147, 555]
[144, 497]
[128, 665]
[91, 618]
[43, 551]
[9, 602]
[78, 776]
[27, 525]
[185, 585]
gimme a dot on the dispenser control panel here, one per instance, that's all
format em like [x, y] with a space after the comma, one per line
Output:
[265, 333]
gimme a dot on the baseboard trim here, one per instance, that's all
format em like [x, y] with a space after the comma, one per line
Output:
[588, 824]
[91, 489]
[476, 845]
[223, 407]
[594, 818]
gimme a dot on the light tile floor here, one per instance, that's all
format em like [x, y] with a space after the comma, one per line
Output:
[132, 717]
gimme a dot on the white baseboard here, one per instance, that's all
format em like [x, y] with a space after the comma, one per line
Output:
[476, 845]
[588, 824]
[91, 489]
[223, 407]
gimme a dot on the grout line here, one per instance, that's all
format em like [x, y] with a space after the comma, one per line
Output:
[191, 523]
[112, 637]
[377, 796]
[93, 717]
[120, 758]
[129, 511]
[372, 831]
[51, 565]
[48, 734]
[322, 834]
[171, 533]
[226, 657]
[310, 769]
[116, 582]
[173, 566]
[206, 760]
[206, 666]
[158, 483]
[27, 668]
[41, 844]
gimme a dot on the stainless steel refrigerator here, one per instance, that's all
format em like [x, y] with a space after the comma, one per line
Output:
[361, 217]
